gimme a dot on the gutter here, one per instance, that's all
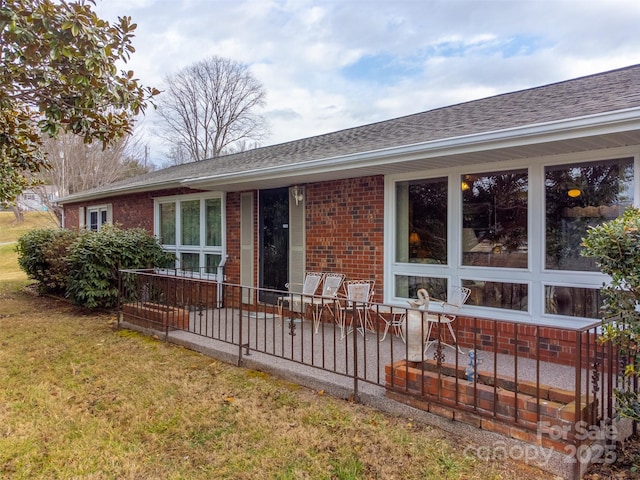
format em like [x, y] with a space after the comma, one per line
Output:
[597, 124]
[147, 187]
[567, 129]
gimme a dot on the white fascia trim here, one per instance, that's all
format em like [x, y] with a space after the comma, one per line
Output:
[147, 187]
[598, 124]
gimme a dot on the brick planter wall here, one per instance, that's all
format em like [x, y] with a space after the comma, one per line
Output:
[154, 315]
[189, 292]
[507, 408]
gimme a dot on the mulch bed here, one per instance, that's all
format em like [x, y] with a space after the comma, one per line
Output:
[625, 466]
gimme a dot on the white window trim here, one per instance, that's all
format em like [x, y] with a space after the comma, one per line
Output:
[536, 276]
[86, 215]
[201, 249]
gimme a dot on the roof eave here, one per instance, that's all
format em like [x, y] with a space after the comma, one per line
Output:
[567, 129]
[125, 189]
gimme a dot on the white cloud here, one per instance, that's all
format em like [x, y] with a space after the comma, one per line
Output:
[330, 64]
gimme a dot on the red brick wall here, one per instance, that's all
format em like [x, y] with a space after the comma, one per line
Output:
[129, 211]
[345, 231]
[345, 228]
[551, 344]
[232, 268]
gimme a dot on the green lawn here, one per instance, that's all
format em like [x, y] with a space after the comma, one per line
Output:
[81, 399]
[10, 231]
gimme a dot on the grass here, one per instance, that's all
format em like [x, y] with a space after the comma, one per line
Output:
[81, 399]
[10, 229]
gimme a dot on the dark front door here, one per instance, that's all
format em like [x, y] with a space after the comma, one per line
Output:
[274, 241]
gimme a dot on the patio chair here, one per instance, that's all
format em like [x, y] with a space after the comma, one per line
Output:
[357, 300]
[295, 299]
[331, 284]
[455, 299]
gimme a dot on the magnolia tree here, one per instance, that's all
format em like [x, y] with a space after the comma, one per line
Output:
[59, 73]
[615, 245]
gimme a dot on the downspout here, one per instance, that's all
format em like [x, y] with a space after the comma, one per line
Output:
[220, 279]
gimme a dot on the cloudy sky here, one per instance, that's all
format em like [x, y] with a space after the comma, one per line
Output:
[333, 64]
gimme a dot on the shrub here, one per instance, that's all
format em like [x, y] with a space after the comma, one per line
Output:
[42, 255]
[95, 258]
[615, 245]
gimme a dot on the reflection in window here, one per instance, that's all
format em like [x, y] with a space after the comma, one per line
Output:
[573, 301]
[213, 230]
[421, 227]
[494, 219]
[190, 214]
[408, 286]
[579, 196]
[211, 262]
[512, 296]
[190, 262]
[168, 223]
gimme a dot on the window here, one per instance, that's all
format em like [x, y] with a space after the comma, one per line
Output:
[192, 228]
[167, 224]
[421, 228]
[407, 286]
[96, 217]
[579, 196]
[573, 301]
[190, 216]
[512, 235]
[494, 219]
[511, 296]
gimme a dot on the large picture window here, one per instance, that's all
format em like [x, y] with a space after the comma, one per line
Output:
[510, 234]
[192, 228]
[579, 196]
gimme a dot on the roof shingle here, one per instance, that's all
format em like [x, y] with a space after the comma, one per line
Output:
[604, 92]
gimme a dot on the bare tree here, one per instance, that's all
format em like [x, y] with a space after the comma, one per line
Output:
[208, 108]
[177, 156]
[77, 166]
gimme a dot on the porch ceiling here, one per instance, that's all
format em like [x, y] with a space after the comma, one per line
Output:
[385, 163]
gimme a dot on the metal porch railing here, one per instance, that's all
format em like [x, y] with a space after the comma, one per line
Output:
[546, 385]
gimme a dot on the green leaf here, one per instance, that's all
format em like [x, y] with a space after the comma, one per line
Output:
[52, 51]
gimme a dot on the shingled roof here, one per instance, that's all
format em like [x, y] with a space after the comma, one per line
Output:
[612, 91]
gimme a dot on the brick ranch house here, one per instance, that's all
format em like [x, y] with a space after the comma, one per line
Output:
[493, 194]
